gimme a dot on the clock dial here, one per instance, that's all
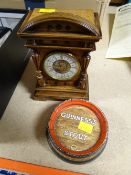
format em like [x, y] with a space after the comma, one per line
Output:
[61, 66]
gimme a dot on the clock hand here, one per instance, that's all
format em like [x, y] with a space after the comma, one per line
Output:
[61, 57]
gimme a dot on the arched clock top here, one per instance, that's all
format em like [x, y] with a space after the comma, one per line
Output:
[60, 22]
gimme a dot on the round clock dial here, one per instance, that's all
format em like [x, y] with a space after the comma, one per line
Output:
[61, 66]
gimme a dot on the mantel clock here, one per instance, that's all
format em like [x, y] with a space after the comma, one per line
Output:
[61, 41]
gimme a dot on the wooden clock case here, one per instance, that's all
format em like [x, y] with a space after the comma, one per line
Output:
[65, 31]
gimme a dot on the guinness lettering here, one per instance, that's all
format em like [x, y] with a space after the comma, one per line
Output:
[76, 117]
[75, 135]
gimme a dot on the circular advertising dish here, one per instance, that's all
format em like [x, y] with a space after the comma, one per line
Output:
[77, 130]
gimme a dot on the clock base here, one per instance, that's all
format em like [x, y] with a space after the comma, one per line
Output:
[60, 93]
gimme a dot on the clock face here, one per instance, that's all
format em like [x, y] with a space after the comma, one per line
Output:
[61, 66]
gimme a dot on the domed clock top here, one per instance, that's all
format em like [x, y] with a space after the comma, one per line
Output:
[74, 21]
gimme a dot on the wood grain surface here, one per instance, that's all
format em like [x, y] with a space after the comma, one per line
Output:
[88, 14]
[66, 124]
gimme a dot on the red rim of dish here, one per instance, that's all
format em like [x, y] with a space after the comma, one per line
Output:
[99, 115]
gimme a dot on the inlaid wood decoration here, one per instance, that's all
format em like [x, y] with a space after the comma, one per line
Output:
[77, 131]
[61, 41]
